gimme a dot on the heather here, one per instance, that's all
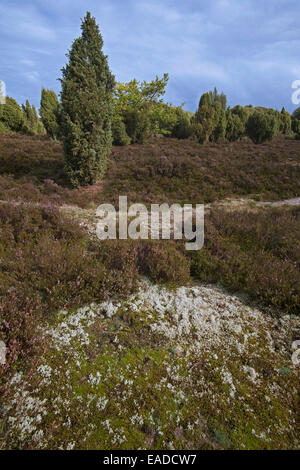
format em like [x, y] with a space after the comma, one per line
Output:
[126, 344]
[163, 170]
[243, 248]
[46, 264]
[256, 252]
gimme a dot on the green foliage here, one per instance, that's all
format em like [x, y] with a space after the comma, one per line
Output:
[4, 129]
[119, 134]
[235, 128]
[243, 112]
[32, 124]
[296, 126]
[50, 113]
[138, 126]
[219, 98]
[206, 99]
[136, 94]
[296, 113]
[261, 126]
[164, 118]
[203, 122]
[209, 122]
[285, 122]
[11, 115]
[139, 106]
[183, 127]
[87, 87]
[219, 124]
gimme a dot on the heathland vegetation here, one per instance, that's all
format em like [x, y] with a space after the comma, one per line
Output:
[96, 112]
[118, 380]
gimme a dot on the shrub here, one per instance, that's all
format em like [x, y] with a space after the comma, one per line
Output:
[234, 127]
[163, 117]
[138, 126]
[219, 123]
[296, 113]
[50, 113]
[4, 129]
[205, 100]
[32, 124]
[203, 123]
[11, 115]
[296, 126]
[219, 98]
[261, 127]
[87, 107]
[19, 320]
[119, 134]
[163, 261]
[254, 252]
[285, 122]
[183, 128]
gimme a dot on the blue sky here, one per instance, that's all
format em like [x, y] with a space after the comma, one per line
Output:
[250, 49]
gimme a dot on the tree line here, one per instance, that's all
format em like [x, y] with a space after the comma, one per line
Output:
[95, 112]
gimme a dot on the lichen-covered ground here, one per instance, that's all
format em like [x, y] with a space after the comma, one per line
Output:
[188, 368]
[191, 368]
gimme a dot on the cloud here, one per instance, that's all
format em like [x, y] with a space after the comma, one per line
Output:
[32, 76]
[27, 62]
[24, 22]
[248, 48]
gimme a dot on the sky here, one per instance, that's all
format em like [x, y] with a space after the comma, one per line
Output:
[250, 49]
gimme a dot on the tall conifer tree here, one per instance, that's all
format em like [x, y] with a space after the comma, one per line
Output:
[86, 98]
[49, 112]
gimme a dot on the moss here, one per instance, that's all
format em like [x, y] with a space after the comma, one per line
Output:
[129, 388]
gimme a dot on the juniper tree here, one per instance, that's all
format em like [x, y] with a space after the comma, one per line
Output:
[261, 126]
[219, 125]
[86, 98]
[32, 124]
[203, 123]
[49, 112]
[183, 128]
[11, 115]
[206, 99]
[235, 128]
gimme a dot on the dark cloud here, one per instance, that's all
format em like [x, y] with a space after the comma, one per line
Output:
[249, 49]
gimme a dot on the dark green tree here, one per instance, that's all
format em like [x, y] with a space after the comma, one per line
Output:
[219, 98]
[138, 125]
[219, 124]
[285, 122]
[87, 106]
[261, 126]
[296, 126]
[235, 129]
[243, 112]
[119, 134]
[32, 124]
[183, 128]
[206, 99]
[50, 113]
[11, 115]
[203, 123]
[296, 113]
